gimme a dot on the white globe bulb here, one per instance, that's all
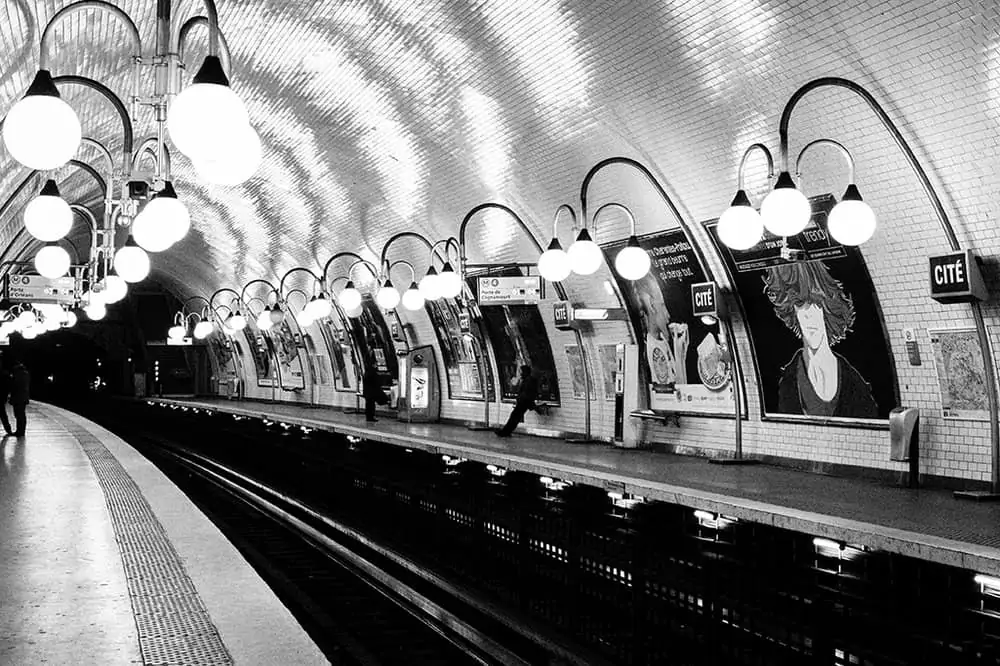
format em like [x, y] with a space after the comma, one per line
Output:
[203, 329]
[449, 283]
[430, 287]
[554, 265]
[354, 313]
[96, 312]
[27, 318]
[52, 324]
[48, 217]
[132, 263]
[740, 227]
[303, 318]
[320, 308]
[200, 115]
[851, 222]
[175, 332]
[52, 261]
[70, 319]
[350, 298]
[413, 299]
[42, 132]
[164, 221]
[149, 233]
[387, 297]
[29, 334]
[237, 322]
[114, 290]
[632, 262]
[584, 257]
[238, 158]
[785, 211]
[277, 315]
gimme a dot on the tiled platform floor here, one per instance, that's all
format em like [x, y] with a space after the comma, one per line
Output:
[72, 586]
[928, 524]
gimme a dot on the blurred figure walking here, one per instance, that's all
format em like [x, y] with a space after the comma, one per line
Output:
[5, 386]
[527, 391]
[371, 388]
[20, 385]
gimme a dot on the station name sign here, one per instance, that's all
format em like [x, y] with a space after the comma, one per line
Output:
[38, 289]
[517, 290]
[705, 299]
[955, 278]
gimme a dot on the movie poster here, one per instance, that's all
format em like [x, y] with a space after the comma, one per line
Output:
[681, 360]
[342, 357]
[815, 324]
[458, 352]
[262, 352]
[373, 340]
[518, 337]
[289, 363]
[576, 373]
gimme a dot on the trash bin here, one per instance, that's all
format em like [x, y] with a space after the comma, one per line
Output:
[904, 439]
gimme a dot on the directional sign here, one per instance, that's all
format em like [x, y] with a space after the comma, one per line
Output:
[38, 289]
[518, 290]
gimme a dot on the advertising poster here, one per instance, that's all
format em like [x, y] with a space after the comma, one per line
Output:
[816, 326]
[222, 350]
[517, 335]
[958, 361]
[609, 364]
[289, 363]
[322, 369]
[680, 360]
[458, 352]
[373, 340]
[341, 353]
[576, 371]
[261, 352]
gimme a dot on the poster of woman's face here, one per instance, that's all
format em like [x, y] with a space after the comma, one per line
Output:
[816, 326]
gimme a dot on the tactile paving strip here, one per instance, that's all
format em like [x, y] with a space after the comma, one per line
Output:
[173, 623]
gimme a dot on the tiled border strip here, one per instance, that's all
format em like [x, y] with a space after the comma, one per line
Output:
[173, 623]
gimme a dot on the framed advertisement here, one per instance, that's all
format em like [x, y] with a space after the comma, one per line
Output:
[286, 354]
[517, 335]
[262, 353]
[681, 363]
[373, 340]
[343, 360]
[815, 327]
[458, 352]
[958, 362]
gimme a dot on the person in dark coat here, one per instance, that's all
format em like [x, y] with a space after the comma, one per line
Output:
[19, 389]
[5, 385]
[371, 388]
[526, 394]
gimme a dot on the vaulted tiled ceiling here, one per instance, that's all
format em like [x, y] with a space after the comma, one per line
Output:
[379, 116]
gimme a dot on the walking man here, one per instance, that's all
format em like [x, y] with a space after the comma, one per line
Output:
[527, 391]
[19, 388]
[371, 388]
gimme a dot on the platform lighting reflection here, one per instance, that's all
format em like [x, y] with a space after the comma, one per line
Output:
[353, 439]
[496, 470]
[988, 582]
[554, 484]
[844, 551]
[714, 521]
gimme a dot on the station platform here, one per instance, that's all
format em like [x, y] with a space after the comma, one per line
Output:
[926, 524]
[104, 561]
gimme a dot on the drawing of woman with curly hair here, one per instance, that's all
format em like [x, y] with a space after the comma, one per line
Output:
[817, 381]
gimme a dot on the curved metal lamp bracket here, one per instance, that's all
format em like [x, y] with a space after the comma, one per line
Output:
[826, 142]
[413, 273]
[555, 218]
[489, 206]
[297, 269]
[215, 40]
[339, 255]
[615, 206]
[743, 162]
[76, 7]
[402, 234]
[259, 281]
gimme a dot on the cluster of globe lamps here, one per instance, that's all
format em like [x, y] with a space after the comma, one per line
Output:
[40, 319]
[206, 121]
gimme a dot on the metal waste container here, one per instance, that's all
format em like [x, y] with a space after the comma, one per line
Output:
[904, 439]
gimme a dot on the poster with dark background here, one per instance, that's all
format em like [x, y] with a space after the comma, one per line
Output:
[260, 350]
[341, 354]
[518, 336]
[457, 353]
[289, 363]
[373, 340]
[680, 360]
[816, 325]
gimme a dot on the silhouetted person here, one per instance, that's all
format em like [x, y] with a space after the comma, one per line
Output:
[20, 385]
[527, 391]
[5, 385]
[371, 388]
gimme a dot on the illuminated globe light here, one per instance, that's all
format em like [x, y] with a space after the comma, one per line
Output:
[238, 158]
[350, 298]
[585, 256]
[204, 112]
[132, 262]
[554, 263]
[320, 307]
[97, 311]
[175, 332]
[26, 319]
[52, 261]
[303, 318]
[387, 297]
[115, 289]
[264, 320]
[237, 322]
[412, 298]
[852, 221]
[29, 334]
[164, 221]
[42, 131]
[429, 285]
[69, 320]
[52, 324]
[48, 217]
[354, 313]
[449, 282]
[785, 211]
[203, 329]
[277, 315]
[632, 262]
[740, 227]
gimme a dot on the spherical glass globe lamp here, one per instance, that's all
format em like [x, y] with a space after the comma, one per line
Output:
[204, 111]
[264, 320]
[237, 322]
[69, 321]
[277, 315]
[48, 217]
[320, 307]
[412, 298]
[303, 318]
[114, 290]
[387, 297]
[852, 221]
[785, 211]
[203, 329]
[29, 334]
[350, 298]
[42, 131]
[97, 311]
[429, 288]
[52, 261]
[740, 226]
[553, 264]
[585, 256]
[449, 282]
[354, 313]
[26, 318]
[52, 324]
[164, 221]
[237, 158]
[175, 332]
[632, 262]
[132, 262]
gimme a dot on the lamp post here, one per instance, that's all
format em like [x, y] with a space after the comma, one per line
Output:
[631, 262]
